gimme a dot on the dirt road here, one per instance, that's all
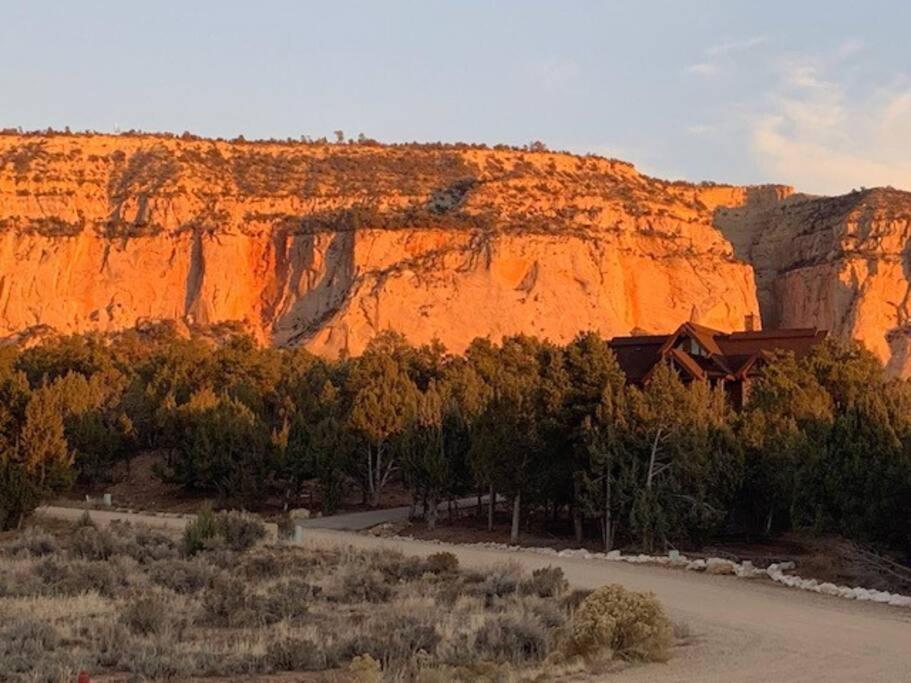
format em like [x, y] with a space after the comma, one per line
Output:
[744, 630]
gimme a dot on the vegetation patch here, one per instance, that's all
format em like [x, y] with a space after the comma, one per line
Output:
[132, 603]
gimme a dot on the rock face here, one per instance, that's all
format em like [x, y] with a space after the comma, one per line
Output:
[837, 263]
[327, 245]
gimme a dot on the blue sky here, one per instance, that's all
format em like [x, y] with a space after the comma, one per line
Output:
[812, 93]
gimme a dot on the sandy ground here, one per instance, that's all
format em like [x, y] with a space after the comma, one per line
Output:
[747, 631]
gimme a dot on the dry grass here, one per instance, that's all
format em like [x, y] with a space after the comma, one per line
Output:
[132, 603]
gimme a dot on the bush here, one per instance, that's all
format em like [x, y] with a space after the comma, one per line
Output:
[146, 615]
[289, 600]
[239, 530]
[91, 543]
[442, 563]
[295, 654]
[502, 581]
[517, 638]
[360, 584]
[392, 638]
[181, 576]
[200, 533]
[236, 530]
[227, 602]
[632, 625]
[34, 543]
[547, 582]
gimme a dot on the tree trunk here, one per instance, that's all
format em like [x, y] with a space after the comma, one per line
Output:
[491, 505]
[430, 513]
[480, 510]
[608, 515]
[516, 518]
[577, 525]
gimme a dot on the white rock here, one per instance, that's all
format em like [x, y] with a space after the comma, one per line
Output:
[716, 565]
[673, 554]
[900, 600]
[786, 566]
[614, 555]
[828, 589]
[696, 566]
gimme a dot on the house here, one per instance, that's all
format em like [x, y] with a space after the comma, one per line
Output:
[697, 352]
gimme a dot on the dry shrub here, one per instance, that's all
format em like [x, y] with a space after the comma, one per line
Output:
[359, 583]
[516, 637]
[290, 600]
[227, 602]
[33, 543]
[391, 638]
[547, 582]
[501, 581]
[147, 615]
[295, 654]
[181, 576]
[442, 563]
[91, 543]
[240, 531]
[631, 625]
[574, 598]
[73, 577]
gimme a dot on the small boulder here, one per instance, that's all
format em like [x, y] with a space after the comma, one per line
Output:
[716, 565]
[696, 566]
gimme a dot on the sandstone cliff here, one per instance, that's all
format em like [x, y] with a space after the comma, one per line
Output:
[326, 245]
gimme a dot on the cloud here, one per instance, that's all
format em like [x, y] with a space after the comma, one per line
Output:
[826, 133]
[720, 57]
[735, 45]
[704, 69]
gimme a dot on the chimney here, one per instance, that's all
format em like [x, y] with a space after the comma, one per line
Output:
[749, 322]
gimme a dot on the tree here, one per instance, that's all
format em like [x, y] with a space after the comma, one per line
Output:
[383, 401]
[223, 448]
[784, 429]
[687, 462]
[595, 422]
[425, 465]
[36, 462]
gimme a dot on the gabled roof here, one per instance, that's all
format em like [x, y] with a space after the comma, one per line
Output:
[730, 355]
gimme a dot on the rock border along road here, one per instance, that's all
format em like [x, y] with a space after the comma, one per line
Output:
[745, 631]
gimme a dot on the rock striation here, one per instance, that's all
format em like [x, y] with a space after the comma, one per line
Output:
[324, 246]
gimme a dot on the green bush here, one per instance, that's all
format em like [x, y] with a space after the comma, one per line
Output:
[631, 625]
[237, 531]
[200, 532]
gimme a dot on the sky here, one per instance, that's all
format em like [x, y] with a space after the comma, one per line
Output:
[816, 94]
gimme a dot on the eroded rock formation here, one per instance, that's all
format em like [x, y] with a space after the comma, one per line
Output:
[326, 245]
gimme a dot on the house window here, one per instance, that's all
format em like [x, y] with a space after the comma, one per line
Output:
[692, 347]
